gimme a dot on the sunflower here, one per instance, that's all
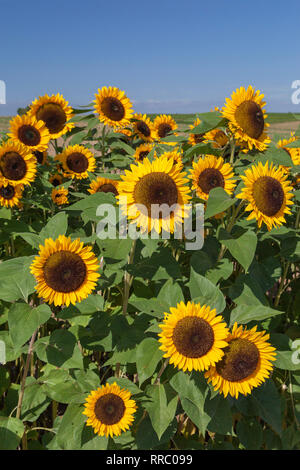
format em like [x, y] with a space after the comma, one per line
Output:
[104, 185]
[17, 165]
[113, 107]
[247, 117]
[163, 126]
[217, 136]
[176, 156]
[65, 271]
[55, 111]
[293, 152]
[245, 364]
[143, 127]
[211, 172]
[110, 410]
[268, 194]
[127, 133]
[41, 157]
[147, 187]
[10, 195]
[60, 196]
[142, 151]
[193, 336]
[195, 139]
[77, 161]
[33, 134]
[56, 179]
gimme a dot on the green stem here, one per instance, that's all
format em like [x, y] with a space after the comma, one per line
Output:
[128, 278]
[232, 150]
[282, 283]
[21, 395]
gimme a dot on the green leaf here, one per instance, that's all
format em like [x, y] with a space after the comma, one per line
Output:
[125, 383]
[61, 387]
[69, 435]
[171, 293]
[204, 291]
[16, 281]
[11, 432]
[276, 155]
[148, 356]
[218, 201]
[246, 313]
[56, 226]
[268, 400]
[250, 434]
[161, 407]
[59, 349]
[24, 320]
[35, 400]
[241, 244]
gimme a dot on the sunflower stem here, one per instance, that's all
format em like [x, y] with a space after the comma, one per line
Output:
[128, 278]
[232, 150]
[26, 368]
[282, 283]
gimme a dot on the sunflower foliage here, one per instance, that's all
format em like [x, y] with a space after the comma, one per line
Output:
[115, 343]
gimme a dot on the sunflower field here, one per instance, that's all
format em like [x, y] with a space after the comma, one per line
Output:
[110, 341]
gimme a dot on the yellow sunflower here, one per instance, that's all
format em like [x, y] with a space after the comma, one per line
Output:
[247, 117]
[153, 194]
[176, 156]
[195, 139]
[143, 127]
[77, 161]
[110, 410]
[163, 126]
[41, 157]
[60, 196]
[268, 194]
[127, 133]
[211, 172]
[104, 185]
[33, 134]
[246, 362]
[10, 195]
[56, 179]
[113, 107]
[65, 271]
[193, 336]
[217, 136]
[56, 113]
[293, 152]
[142, 151]
[17, 164]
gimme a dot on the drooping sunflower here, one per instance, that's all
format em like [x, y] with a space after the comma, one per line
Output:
[195, 139]
[113, 107]
[56, 113]
[17, 165]
[60, 196]
[176, 156]
[10, 195]
[143, 127]
[217, 136]
[77, 161]
[164, 125]
[212, 172]
[153, 195]
[193, 336]
[41, 157]
[110, 410]
[104, 185]
[247, 117]
[33, 134]
[142, 151]
[268, 194]
[246, 364]
[65, 271]
[56, 179]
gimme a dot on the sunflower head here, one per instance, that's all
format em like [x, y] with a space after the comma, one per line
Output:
[17, 165]
[104, 185]
[143, 127]
[193, 336]
[56, 179]
[110, 410]
[268, 194]
[211, 172]
[10, 195]
[142, 152]
[41, 157]
[247, 117]
[175, 156]
[246, 363]
[33, 134]
[65, 271]
[60, 196]
[113, 107]
[77, 161]
[218, 137]
[153, 194]
[55, 112]
[163, 126]
[195, 139]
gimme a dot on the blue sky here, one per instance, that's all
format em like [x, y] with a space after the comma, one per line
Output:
[169, 56]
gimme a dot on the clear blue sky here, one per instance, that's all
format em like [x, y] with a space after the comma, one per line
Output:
[168, 55]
